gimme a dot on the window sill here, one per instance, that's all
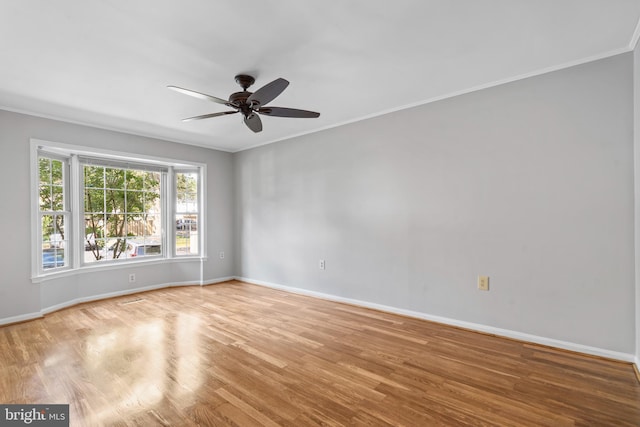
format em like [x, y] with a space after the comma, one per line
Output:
[112, 266]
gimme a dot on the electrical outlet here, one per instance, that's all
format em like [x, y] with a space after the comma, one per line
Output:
[132, 278]
[483, 283]
[221, 254]
[321, 264]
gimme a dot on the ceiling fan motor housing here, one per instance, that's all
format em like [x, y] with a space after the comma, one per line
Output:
[245, 80]
[239, 97]
[239, 100]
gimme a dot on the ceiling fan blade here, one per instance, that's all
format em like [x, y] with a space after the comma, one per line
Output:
[268, 92]
[288, 112]
[208, 116]
[253, 122]
[200, 95]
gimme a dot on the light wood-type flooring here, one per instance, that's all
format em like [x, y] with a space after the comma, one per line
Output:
[240, 354]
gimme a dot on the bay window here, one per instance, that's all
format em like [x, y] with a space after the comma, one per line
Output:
[99, 208]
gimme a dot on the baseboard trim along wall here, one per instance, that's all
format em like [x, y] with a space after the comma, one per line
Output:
[66, 304]
[20, 318]
[98, 297]
[594, 351]
[564, 345]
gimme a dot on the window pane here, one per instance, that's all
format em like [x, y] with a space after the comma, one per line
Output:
[48, 228]
[94, 239]
[56, 172]
[186, 182]
[53, 241]
[58, 221]
[45, 197]
[50, 189]
[57, 202]
[153, 226]
[115, 201]
[152, 202]
[53, 230]
[186, 234]
[93, 201]
[93, 176]
[94, 225]
[152, 250]
[135, 226]
[152, 181]
[140, 248]
[52, 258]
[186, 192]
[116, 226]
[135, 179]
[135, 201]
[186, 218]
[187, 202]
[114, 178]
[115, 248]
[44, 170]
[52, 224]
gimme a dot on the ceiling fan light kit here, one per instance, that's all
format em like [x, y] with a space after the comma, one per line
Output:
[250, 103]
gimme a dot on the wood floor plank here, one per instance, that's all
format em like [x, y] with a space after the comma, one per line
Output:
[240, 354]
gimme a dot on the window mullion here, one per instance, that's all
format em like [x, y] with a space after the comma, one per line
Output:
[169, 209]
[77, 222]
[202, 230]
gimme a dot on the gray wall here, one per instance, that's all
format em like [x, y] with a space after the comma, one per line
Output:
[530, 183]
[636, 150]
[18, 296]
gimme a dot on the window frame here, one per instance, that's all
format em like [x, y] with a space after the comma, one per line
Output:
[125, 166]
[65, 212]
[73, 177]
[198, 212]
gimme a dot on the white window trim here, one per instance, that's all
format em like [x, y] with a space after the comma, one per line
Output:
[201, 208]
[70, 152]
[67, 202]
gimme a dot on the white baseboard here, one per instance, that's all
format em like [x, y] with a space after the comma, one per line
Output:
[20, 318]
[217, 280]
[595, 351]
[66, 304]
[98, 297]
[565, 345]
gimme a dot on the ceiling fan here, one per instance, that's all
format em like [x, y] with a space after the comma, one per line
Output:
[249, 103]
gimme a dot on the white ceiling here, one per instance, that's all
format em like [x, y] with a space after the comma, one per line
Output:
[107, 63]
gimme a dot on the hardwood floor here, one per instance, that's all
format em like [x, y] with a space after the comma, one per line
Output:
[239, 354]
